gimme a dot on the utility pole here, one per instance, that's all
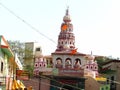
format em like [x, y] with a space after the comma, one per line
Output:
[40, 74]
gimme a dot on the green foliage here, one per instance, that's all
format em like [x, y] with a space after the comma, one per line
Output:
[101, 61]
[19, 48]
[29, 68]
[108, 71]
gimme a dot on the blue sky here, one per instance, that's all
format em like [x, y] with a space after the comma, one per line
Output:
[96, 23]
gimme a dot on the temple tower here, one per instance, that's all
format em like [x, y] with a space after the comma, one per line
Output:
[66, 38]
[66, 55]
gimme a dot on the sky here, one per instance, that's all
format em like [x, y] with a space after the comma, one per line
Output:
[96, 23]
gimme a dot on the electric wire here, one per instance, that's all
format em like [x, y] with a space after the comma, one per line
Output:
[55, 86]
[28, 24]
[60, 82]
[113, 81]
[51, 85]
[35, 29]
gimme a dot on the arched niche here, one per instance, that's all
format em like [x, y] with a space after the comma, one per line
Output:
[68, 63]
[77, 63]
[59, 63]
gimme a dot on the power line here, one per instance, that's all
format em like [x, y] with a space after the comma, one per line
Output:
[61, 82]
[35, 29]
[51, 85]
[28, 24]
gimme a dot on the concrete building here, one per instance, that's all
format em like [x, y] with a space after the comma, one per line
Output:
[8, 65]
[113, 78]
[32, 49]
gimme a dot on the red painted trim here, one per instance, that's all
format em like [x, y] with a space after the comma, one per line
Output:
[2, 46]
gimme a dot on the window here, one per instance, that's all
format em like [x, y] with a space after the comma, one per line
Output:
[40, 65]
[58, 63]
[107, 80]
[1, 66]
[91, 67]
[37, 49]
[86, 67]
[68, 63]
[95, 67]
[36, 65]
[112, 78]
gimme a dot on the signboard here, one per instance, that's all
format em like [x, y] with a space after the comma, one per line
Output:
[69, 81]
[71, 72]
[45, 71]
[22, 75]
[60, 71]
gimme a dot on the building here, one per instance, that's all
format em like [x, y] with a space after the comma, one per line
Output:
[67, 68]
[113, 78]
[32, 49]
[8, 64]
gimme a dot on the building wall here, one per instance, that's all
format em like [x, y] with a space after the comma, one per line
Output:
[114, 65]
[30, 52]
[91, 84]
[72, 57]
[45, 84]
[37, 83]
[3, 68]
[6, 70]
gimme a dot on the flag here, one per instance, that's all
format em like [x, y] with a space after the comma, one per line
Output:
[64, 27]
[74, 51]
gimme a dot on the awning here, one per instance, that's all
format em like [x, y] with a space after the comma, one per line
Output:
[17, 61]
[4, 46]
[101, 79]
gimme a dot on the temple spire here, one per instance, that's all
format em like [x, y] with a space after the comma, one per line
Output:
[66, 18]
[67, 11]
[66, 38]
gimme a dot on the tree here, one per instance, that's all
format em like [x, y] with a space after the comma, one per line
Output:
[19, 48]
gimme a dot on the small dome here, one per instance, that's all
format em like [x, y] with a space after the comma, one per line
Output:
[66, 18]
[90, 57]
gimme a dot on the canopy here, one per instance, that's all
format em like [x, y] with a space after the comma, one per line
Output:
[4, 46]
[101, 79]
